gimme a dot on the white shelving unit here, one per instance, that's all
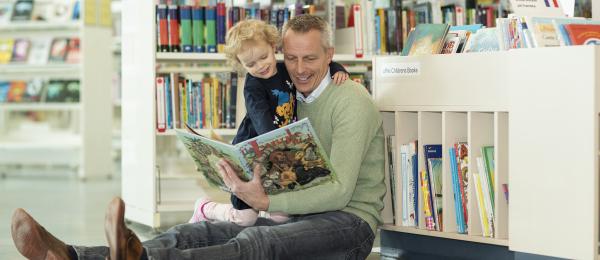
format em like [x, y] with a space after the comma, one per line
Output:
[85, 141]
[539, 109]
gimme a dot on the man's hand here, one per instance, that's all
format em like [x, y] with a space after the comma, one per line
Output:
[250, 192]
[339, 77]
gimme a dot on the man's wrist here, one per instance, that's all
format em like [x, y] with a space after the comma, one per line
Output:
[264, 204]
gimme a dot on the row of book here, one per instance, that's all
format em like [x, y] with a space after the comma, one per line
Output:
[208, 102]
[428, 183]
[512, 33]
[202, 28]
[39, 50]
[38, 90]
[46, 10]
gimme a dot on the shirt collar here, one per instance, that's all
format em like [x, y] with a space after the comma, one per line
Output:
[317, 92]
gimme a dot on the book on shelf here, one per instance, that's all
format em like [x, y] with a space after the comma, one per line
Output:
[390, 146]
[5, 12]
[456, 188]
[4, 87]
[583, 34]
[486, 202]
[39, 50]
[22, 10]
[433, 162]
[59, 91]
[20, 50]
[58, 50]
[6, 50]
[484, 40]
[426, 39]
[16, 91]
[73, 51]
[409, 172]
[289, 158]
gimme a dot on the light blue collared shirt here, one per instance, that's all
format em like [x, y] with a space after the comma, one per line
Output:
[317, 92]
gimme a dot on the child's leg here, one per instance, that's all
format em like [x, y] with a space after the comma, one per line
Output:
[207, 210]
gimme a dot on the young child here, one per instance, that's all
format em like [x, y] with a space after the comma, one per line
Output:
[270, 103]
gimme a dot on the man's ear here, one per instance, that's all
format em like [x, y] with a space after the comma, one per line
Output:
[330, 52]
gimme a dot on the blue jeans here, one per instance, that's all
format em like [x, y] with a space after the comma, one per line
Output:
[329, 235]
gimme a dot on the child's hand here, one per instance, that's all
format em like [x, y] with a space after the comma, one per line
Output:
[339, 77]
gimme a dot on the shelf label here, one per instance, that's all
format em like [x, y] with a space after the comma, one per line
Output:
[543, 8]
[404, 69]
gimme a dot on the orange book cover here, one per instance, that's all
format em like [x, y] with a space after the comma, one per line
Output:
[583, 34]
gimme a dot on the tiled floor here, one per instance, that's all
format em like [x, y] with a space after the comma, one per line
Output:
[70, 209]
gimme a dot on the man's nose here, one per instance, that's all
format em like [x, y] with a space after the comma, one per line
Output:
[300, 67]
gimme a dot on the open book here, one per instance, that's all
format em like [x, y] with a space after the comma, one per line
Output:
[291, 157]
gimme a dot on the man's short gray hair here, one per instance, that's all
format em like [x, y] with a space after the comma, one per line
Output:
[306, 22]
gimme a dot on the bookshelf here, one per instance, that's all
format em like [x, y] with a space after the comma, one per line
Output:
[74, 134]
[159, 179]
[531, 105]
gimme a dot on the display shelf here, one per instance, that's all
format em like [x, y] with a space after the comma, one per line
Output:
[204, 132]
[180, 56]
[49, 68]
[416, 231]
[35, 26]
[195, 70]
[40, 106]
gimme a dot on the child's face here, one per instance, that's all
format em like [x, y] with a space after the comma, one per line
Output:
[258, 58]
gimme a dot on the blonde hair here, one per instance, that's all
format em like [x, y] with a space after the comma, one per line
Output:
[307, 22]
[248, 30]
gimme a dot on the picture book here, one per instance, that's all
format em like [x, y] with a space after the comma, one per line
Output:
[435, 170]
[433, 152]
[16, 92]
[55, 91]
[484, 40]
[34, 90]
[428, 39]
[20, 50]
[583, 34]
[290, 158]
[73, 53]
[71, 91]
[559, 25]
[39, 50]
[4, 86]
[451, 45]
[22, 10]
[58, 50]
[5, 12]
[6, 48]
[427, 207]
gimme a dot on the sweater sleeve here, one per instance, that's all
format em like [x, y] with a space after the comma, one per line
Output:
[354, 124]
[258, 108]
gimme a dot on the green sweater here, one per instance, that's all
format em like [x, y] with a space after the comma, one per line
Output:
[349, 127]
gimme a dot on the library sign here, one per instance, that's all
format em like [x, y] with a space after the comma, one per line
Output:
[404, 69]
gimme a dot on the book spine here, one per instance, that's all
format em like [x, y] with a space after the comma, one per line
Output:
[358, 31]
[198, 28]
[233, 100]
[160, 104]
[211, 29]
[173, 18]
[163, 32]
[221, 27]
[168, 104]
[185, 13]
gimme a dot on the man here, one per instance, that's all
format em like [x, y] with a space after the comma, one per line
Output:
[330, 221]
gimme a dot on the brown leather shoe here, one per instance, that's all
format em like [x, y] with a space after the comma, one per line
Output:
[33, 241]
[123, 243]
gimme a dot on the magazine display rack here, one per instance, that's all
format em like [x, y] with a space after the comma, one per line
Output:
[83, 139]
[539, 109]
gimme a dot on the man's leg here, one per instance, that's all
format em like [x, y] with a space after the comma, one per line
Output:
[330, 235]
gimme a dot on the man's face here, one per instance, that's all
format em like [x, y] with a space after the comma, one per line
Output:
[306, 60]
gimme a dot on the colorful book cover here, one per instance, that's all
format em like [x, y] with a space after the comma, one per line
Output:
[290, 158]
[22, 10]
[484, 40]
[460, 223]
[4, 87]
[211, 29]
[480, 204]
[462, 160]
[16, 92]
[6, 50]
[435, 170]
[71, 91]
[55, 91]
[34, 90]
[488, 159]
[20, 50]
[185, 15]
[58, 50]
[162, 28]
[431, 151]
[428, 39]
[173, 21]
[73, 51]
[559, 24]
[198, 28]
[583, 34]
[427, 207]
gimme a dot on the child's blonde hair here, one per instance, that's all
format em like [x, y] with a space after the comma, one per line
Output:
[248, 30]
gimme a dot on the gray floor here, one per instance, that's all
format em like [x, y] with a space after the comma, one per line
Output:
[70, 209]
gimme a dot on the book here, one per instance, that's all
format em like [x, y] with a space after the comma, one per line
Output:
[55, 91]
[5, 12]
[6, 50]
[34, 90]
[73, 53]
[20, 50]
[290, 158]
[428, 39]
[22, 10]
[58, 50]
[583, 34]
[484, 40]
[16, 92]
[39, 50]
